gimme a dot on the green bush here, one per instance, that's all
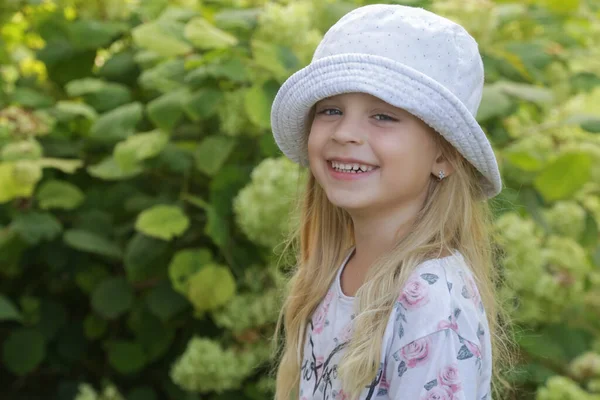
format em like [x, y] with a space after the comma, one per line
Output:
[142, 196]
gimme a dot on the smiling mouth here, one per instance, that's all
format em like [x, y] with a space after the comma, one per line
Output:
[351, 168]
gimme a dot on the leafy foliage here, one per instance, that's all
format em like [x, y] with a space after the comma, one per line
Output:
[142, 194]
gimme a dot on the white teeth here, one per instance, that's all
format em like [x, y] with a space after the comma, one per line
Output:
[352, 168]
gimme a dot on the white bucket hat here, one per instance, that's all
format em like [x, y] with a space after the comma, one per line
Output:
[408, 57]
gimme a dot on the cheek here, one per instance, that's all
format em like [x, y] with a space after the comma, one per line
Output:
[315, 143]
[405, 157]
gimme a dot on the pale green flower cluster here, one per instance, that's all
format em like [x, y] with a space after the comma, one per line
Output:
[250, 310]
[586, 366]
[205, 366]
[563, 388]
[263, 207]
[589, 197]
[545, 274]
[566, 218]
[290, 25]
[87, 392]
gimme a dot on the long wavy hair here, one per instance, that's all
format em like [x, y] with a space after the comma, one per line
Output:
[453, 216]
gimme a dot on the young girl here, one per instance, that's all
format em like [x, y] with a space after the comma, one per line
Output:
[393, 293]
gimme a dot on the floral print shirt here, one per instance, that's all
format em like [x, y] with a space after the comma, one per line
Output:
[436, 345]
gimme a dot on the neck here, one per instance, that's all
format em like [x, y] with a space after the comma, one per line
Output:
[378, 232]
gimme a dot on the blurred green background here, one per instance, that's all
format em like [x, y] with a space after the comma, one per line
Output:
[142, 198]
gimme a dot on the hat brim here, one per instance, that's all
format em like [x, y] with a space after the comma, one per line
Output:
[396, 84]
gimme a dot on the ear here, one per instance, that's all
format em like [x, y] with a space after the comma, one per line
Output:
[440, 163]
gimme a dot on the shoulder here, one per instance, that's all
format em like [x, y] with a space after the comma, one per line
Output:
[440, 294]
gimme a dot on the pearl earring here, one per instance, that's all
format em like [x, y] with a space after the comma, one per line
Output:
[441, 175]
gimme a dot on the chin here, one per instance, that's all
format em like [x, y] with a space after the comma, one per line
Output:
[349, 202]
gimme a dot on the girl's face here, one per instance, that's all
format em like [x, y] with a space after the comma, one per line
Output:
[397, 152]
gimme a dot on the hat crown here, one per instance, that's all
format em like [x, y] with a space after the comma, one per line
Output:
[428, 43]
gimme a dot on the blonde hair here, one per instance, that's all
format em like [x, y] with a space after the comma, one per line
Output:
[452, 217]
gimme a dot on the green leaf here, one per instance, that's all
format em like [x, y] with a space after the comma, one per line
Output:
[36, 226]
[136, 148]
[494, 103]
[166, 110]
[186, 263]
[22, 150]
[205, 36]
[117, 124]
[12, 247]
[164, 302]
[258, 106]
[153, 36]
[59, 194]
[66, 166]
[8, 311]
[165, 77]
[589, 236]
[79, 87]
[89, 276]
[211, 287]
[216, 227]
[112, 298]
[53, 316]
[18, 179]
[145, 258]
[142, 393]
[101, 95]
[126, 356]
[269, 56]
[212, 153]
[91, 34]
[94, 326]
[109, 170]
[202, 103]
[120, 67]
[562, 6]
[197, 201]
[564, 176]
[151, 333]
[231, 18]
[91, 243]
[23, 350]
[31, 98]
[64, 63]
[590, 123]
[162, 222]
[76, 109]
[526, 92]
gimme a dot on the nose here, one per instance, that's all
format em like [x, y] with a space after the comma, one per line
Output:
[348, 130]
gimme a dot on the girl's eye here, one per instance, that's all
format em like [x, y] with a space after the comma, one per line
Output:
[385, 117]
[326, 111]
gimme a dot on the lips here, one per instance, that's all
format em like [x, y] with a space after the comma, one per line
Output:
[350, 174]
[342, 160]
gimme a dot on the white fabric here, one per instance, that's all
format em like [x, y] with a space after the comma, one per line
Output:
[410, 58]
[436, 344]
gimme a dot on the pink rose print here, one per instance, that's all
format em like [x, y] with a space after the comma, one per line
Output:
[449, 376]
[319, 316]
[452, 324]
[346, 333]
[473, 348]
[417, 352]
[384, 384]
[341, 395]
[319, 365]
[438, 393]
[415, 293]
